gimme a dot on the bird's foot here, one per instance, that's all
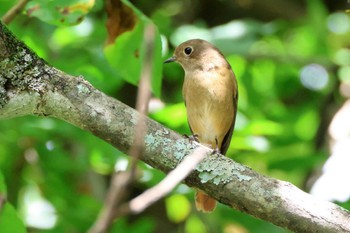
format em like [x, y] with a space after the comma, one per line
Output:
[192, 138]
[216, 150]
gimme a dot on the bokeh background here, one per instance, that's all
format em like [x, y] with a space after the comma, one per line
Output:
[292, 62]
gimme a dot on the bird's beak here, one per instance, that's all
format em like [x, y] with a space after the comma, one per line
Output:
[171, 59]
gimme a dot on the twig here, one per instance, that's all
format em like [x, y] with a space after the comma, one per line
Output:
[2, 201]
[121, 181]
[141, 202]
[14, 11]
[143, 97]
[116, 193]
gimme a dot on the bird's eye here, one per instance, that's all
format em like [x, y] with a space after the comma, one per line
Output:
[188, 51]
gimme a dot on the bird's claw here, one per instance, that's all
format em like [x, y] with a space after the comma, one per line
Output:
[192, 138]
[216, 150]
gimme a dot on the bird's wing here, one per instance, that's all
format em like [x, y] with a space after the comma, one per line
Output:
[227, 139]
[189, 122]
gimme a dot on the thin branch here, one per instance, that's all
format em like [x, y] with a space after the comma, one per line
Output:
[118, 192]
[2, 201]
[143, 97]
[141, 202]
[14, 11]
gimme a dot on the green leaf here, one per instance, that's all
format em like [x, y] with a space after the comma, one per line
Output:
[143, 224]
[306, 126]
[173, 116]
[127, 54]
[64, 12]
[101, 162]
[9, 220]
[177, 208]
[195, 225]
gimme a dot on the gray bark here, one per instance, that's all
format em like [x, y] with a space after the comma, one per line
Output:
[28, 86]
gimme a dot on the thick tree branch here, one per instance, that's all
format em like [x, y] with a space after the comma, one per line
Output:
[29, 86]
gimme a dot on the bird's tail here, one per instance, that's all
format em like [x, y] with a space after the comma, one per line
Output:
[204, 203]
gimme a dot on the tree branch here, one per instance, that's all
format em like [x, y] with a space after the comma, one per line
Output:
[29, 86]
[190, 162]
[117, 193]
[14, 11]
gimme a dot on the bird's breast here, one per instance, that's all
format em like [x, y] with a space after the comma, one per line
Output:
[209, 104]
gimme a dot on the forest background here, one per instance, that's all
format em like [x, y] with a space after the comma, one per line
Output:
[292, 62]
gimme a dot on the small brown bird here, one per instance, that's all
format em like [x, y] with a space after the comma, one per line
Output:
[210, 93]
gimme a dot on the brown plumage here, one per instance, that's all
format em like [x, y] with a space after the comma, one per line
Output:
[210, 93]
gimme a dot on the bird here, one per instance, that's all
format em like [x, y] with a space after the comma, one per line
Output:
[210, 93]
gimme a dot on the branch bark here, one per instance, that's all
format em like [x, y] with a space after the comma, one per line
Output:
[29, 86]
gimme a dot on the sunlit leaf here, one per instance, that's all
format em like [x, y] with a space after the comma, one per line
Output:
[102, 163]
[195, 225]
[173, 115]
[65, 12]
[306, 126]
[127, 54]
[10, 221]
[177, 208]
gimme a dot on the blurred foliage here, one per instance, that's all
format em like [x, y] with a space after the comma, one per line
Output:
[66, 12]
[129, 47]
[289, 61]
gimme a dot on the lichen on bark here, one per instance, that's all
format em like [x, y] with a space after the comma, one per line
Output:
[20, 68]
